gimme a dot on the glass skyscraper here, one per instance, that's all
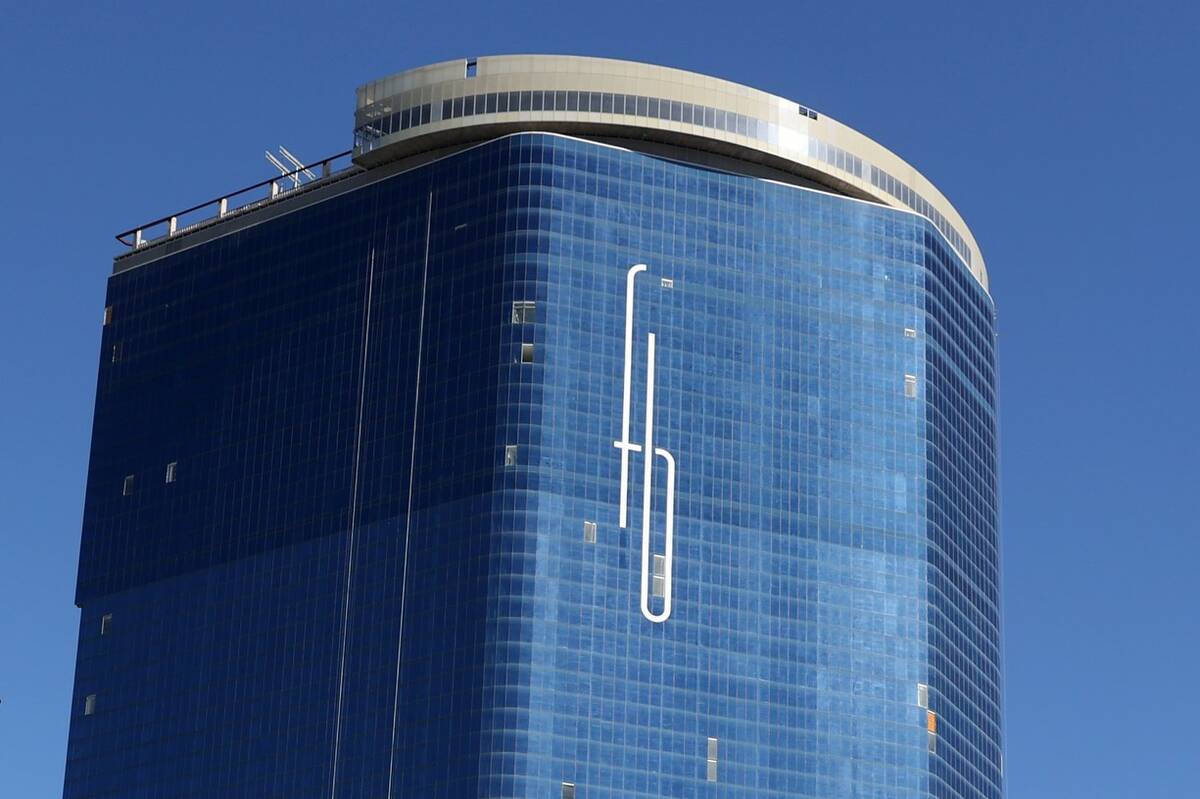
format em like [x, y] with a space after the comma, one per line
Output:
[602, 430]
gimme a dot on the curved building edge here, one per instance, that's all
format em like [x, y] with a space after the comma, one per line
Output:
[441, 106]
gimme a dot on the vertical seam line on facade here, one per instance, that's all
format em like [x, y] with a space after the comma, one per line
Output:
[412, 463]
[350, 548]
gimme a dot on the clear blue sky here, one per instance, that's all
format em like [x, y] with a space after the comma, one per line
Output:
[1065, 135]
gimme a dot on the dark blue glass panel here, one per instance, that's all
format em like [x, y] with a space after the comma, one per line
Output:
[371, 577]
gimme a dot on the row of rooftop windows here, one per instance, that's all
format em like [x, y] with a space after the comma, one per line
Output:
[571, 101]
[366, 136]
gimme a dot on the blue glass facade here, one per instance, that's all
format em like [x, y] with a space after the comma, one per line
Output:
[390, 560]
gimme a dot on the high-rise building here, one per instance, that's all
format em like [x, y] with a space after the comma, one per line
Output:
[600, 430]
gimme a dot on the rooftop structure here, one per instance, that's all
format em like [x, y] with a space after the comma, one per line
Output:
[432, 110]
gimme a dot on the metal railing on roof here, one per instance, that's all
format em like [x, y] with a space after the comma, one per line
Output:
[226, 205]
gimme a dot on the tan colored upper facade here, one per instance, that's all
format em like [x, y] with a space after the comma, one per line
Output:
[439, 106]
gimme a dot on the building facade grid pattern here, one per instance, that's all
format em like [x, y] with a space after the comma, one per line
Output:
[301, 613]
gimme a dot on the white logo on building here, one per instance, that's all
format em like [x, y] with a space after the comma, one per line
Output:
[657, 575]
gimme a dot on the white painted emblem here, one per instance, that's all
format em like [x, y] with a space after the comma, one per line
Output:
[647, 446]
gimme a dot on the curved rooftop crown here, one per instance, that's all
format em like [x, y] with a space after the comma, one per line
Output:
[454, 102]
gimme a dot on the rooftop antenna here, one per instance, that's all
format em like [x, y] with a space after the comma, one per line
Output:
[296, 163]
[290, 174]
[296, 172]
